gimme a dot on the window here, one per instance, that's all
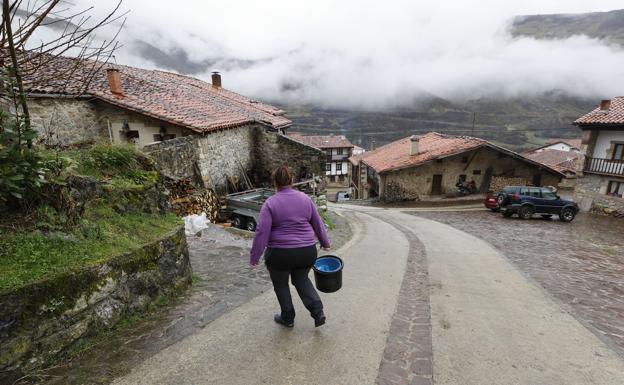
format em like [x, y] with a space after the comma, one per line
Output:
[524, 191]
[615, 189]
[338, 167]
[548, 194]
[327, 166]
[535, 193]
[476, 172]
[618, 152]
[339, 151]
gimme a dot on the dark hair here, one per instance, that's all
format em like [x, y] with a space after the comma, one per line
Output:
[281, 177]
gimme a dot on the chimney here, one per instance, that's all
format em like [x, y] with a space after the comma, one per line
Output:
[414, 141]
[216, 79]
[605, 104]
[114, 81]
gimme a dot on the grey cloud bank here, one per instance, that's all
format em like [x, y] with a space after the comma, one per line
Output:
[372, 54]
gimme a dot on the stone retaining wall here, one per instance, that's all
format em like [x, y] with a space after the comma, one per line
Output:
[590, 192]
[43, 320]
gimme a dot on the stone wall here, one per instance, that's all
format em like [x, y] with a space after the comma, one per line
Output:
[272, 149]
[225, 153]
[64, 121]
[590, 192]
[43, 320]
[416, 182]
[252, 149]
[209, 157]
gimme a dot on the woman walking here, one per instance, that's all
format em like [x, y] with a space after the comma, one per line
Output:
[286, 228]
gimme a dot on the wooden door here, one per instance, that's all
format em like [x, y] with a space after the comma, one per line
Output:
[436, 185]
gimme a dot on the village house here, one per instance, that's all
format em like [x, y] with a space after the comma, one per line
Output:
[601, 187]
[193, 129]
[338, 149]
[416, 167]
[568, 145]
[560, 154]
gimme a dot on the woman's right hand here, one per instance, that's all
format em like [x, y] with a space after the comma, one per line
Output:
[326, 248]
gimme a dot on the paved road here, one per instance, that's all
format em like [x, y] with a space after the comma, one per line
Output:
[489, 324]
[245, 347]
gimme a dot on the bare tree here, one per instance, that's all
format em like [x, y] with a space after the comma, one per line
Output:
[31, 64]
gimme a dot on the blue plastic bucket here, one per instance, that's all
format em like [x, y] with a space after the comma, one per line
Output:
[328, 273]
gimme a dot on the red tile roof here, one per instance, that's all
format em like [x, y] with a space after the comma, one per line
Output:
[396, 155]
[322, 141]
[432, 146]
[614, 115]
[564, 161]
[177, 99]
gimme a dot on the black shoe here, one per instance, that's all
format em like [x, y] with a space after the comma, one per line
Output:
[278, 318]
[319, 320]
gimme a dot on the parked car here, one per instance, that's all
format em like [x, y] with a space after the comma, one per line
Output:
[342, 196]
[526, 201]
[491, 201]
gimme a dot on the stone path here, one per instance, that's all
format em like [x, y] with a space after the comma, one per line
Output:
[246, 347]
[581, 263]
[223, 281]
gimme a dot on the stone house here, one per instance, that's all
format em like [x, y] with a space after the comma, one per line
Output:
[417, 167]
[191, 128]
[600, 186]
[338, 149]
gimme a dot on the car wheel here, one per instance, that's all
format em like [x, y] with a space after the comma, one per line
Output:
[526, 212]
[546, 216]
[507, 214]
[237, 222]
[251, 224]
[567, 215]
[495, 209]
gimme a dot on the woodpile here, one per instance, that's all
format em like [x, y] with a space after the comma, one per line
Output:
[500, 182]
[186, 199]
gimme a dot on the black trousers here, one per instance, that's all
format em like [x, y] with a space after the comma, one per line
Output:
[296, 264]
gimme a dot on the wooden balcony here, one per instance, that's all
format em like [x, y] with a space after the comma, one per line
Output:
[604, 166]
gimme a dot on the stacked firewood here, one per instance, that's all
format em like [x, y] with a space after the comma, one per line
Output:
[500, 182]
[187, 199]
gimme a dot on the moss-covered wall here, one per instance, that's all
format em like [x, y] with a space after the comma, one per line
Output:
[42, 320]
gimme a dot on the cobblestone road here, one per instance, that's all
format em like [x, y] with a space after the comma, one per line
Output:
[581, 263]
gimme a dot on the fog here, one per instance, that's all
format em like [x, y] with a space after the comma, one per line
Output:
[372, 54]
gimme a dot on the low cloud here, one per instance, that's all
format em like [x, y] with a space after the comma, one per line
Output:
[372, 54]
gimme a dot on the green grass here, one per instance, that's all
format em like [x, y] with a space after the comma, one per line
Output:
[103, 233]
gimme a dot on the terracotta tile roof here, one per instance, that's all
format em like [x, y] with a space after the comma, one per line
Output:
[564, 161]
[396, 155]
[322, 141]
[177, 99]
[432, 146]
[614, 115]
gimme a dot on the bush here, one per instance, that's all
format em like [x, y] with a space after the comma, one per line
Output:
[22, 171]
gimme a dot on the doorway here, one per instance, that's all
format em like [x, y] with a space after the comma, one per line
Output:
[436, 185]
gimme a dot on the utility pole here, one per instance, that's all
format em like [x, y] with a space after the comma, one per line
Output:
[474, 118]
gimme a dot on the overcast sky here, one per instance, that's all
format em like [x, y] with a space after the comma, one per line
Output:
[375, 53]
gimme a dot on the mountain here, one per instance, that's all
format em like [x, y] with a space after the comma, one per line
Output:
[607, 26]
[519, 123]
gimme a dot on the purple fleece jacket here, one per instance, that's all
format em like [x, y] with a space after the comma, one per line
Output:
[287, 220]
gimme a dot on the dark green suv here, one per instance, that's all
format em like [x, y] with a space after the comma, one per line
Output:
[527, 201]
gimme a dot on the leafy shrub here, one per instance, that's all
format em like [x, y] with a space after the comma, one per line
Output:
[22, 171]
